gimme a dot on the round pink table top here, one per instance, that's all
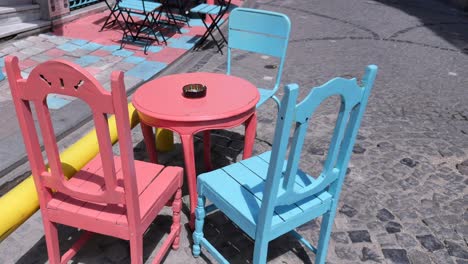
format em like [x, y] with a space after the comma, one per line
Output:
[226, 96]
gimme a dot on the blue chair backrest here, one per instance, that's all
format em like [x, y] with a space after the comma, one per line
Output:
[259, 31]
[280, 187]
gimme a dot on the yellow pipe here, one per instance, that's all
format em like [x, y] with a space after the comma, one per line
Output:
[165, 139]
[21, 202]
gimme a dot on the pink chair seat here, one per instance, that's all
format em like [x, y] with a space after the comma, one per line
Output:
[153, 180]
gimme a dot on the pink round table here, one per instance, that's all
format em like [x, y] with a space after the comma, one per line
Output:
[229, 102]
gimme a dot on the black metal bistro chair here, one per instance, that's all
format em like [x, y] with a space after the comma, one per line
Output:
[215, 13]
[141, 21]
[114, 14]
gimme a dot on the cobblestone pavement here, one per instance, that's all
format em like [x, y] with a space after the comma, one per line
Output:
[404, 199]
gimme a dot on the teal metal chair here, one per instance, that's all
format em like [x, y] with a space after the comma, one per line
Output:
[268, 196]
[215, 13]
[141, 21]
[261, 32]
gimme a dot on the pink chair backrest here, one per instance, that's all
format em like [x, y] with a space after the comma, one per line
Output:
[65, 78]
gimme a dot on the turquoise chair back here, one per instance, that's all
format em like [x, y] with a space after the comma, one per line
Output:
[353, 103]
[262, 32]
[280, 188]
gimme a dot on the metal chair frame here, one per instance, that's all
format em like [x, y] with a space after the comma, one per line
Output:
[112, 10]
[203, 10]
[150, 21]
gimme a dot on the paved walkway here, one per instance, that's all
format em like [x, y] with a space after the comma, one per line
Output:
[405, 198]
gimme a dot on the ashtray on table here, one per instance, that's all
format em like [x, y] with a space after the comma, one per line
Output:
[194, 90]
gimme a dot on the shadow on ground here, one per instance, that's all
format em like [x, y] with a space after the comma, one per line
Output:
[439, 17]
[237, 247]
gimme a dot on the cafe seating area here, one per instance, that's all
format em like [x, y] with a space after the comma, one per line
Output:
[265, 195]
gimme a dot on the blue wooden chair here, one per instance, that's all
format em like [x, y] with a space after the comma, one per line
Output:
[261, 32]
[268, 196]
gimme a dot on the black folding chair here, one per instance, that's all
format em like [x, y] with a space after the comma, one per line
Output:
[215, 13]
[144, 29]
[113, 10]
[181, 6]
[171, 18]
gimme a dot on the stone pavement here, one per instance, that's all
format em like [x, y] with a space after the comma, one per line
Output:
[404, 199]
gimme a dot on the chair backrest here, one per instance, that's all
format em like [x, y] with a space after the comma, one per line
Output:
[65, 78]
[261, 32]
[280, 188]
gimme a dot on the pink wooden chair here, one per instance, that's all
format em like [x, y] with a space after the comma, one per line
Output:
[111, 195]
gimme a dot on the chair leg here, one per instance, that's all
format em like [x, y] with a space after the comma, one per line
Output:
[51, 237]
[260, 251]
[136, 249]
[170, 16]
[183, 13]
[249, 141]
[157, 23]
[211, 29]
[206, 34]
[215, 22]
[107, 20]
[324, 238]
[207, 150]
[150, 142]
[198, 233]
[176, 207]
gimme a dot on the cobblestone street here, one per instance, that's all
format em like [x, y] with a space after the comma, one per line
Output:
[405, 198]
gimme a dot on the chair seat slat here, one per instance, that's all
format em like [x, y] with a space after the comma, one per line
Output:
[242, 173]
[138, 5]
[242, 177]
[148, 185]
[206, 9]
[260, 164]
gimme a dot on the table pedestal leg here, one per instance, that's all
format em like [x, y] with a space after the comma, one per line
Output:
[207, 150]
[150, 143]
[250, 129]
[189, 158]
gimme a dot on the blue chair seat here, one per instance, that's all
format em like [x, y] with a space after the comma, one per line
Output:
[207, 9]
[137, 5]
[241, 203]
